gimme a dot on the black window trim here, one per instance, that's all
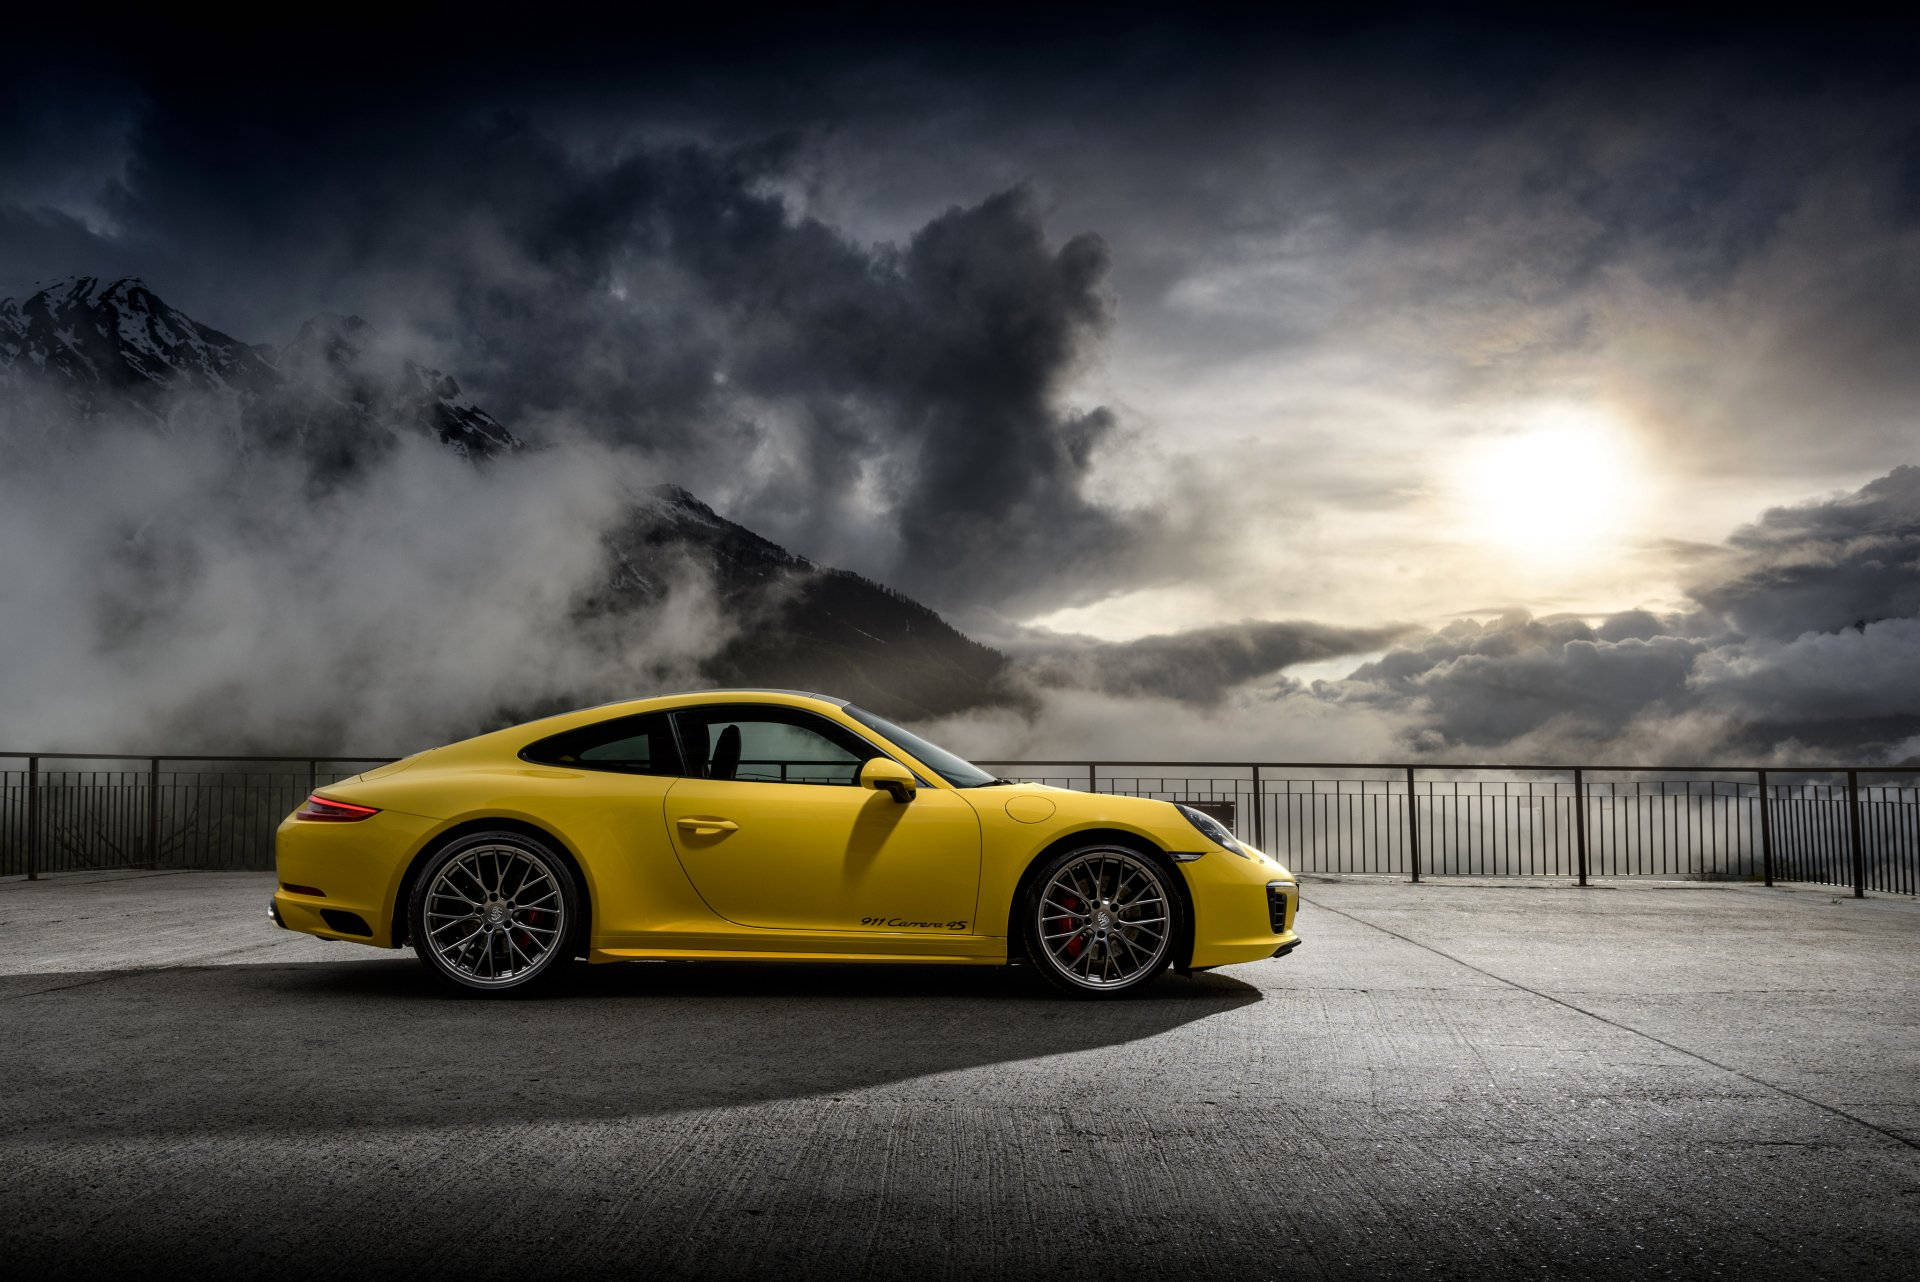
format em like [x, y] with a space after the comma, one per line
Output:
[670, 740]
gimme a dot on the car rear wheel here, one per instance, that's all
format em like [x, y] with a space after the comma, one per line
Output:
[1100, 920]
[494, 912]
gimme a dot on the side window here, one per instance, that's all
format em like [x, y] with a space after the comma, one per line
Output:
[758, 744]
[640, 745]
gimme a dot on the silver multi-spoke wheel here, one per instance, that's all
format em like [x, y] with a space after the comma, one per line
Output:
[493, 914]
[1103, 920]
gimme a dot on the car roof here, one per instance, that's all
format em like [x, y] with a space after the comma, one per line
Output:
[721, 692]
[798, 694]
[695, 698]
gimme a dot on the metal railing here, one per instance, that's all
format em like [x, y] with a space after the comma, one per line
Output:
[69, 812]
[1855, 827]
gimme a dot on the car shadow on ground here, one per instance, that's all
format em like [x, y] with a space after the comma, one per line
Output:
[378, 1043]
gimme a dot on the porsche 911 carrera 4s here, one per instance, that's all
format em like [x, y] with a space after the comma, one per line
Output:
[763, 825]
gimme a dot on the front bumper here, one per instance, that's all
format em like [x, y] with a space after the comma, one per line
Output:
[1242, 912]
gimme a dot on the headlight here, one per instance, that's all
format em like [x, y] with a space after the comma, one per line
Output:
[1212, 829]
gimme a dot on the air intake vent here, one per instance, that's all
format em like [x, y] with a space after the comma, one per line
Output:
[1277, 893]
[346, 923]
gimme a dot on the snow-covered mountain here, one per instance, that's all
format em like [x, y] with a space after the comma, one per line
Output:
[112, 345]
[116, 342]
[337, 393]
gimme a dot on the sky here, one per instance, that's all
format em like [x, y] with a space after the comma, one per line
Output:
[1488, 345]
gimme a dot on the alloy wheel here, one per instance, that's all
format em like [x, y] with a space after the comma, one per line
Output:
[1104, 920]
[494, 915]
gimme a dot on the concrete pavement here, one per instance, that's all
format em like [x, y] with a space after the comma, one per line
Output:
[1447, 1080]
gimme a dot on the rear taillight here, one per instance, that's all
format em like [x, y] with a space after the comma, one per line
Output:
[321, 810]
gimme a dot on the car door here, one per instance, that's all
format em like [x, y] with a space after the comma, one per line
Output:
[775, 832]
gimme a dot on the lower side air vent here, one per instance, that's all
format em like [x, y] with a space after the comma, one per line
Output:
[346, 923]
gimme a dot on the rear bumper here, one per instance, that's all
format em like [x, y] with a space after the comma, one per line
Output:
[356, 867]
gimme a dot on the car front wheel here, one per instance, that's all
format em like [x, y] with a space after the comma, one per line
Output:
[493, 912]
[1099, 921]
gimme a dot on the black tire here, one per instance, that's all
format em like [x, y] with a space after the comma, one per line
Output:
[1087, 918]
[494, 913]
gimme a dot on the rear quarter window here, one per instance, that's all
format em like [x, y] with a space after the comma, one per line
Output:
[641, 745]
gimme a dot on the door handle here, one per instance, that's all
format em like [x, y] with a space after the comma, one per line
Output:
[703, 827]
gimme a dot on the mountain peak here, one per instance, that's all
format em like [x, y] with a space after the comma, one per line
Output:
[680, 496]
[111, 344]
[84, 291]
[345, 358]
[68, 295]
[115, 336]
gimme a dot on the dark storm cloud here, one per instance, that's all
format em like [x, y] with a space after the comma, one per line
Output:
[1486, 684]
[1826, 566]
[895, 408]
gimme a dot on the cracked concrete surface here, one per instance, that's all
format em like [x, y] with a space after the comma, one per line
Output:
[1447, 1080]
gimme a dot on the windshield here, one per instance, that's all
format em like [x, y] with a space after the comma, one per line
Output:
[957, 771]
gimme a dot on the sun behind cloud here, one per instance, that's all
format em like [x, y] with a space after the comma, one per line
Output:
[1567, 486]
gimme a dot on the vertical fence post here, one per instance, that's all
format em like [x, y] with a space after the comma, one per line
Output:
[1093, 777]
[1854, 847]
[153, 811]
[1413, 828]
[33, 818]
[1259, 813]
[1766, 832]
[313, 777]
[1580, 820]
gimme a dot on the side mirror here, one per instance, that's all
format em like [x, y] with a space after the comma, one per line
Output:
[886, 774]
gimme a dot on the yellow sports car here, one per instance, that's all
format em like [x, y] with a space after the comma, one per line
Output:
[767, 825]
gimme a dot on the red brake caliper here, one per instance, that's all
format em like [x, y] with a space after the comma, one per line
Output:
[1079, 942]
[527, 941]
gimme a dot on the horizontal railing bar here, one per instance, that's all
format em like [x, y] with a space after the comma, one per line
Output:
[1448, 765]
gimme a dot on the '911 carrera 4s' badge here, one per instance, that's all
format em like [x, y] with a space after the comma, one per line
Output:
[907, 923]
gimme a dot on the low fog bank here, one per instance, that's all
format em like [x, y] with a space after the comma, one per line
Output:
[1199, 666]
[179, 589]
